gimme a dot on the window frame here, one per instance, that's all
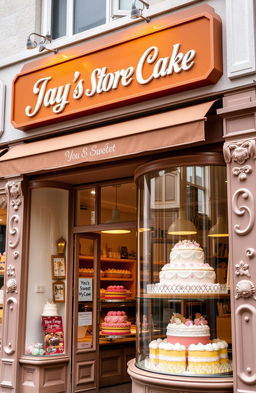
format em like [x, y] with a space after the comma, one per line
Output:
[112, 12]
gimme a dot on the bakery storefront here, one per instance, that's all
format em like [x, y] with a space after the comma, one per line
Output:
[118, 247]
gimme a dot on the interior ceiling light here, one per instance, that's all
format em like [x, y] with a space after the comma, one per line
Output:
[137, 12]
[115, 217]
[116, 231]
[145, 229]
[220, 229]
[182, 226]
[45, 39]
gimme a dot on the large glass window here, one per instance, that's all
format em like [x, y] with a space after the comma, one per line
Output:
[47, 274]
[184, 316]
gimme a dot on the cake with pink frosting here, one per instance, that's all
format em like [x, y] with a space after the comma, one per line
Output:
[115, 292]
[187, 332]
[115, 323]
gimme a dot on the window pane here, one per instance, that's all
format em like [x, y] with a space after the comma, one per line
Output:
[118, 203]
[125, 4]
[175, 242]
[85, 211]
[89, 14]
[59, 18]
[190, 174]
[47, 276]
[199, 175]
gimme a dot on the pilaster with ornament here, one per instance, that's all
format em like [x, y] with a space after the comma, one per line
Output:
[240, 157]
[14, 232]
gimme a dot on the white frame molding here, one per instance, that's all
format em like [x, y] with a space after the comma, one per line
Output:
[2, 106]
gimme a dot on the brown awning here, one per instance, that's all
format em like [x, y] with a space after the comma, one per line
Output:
[155, 132]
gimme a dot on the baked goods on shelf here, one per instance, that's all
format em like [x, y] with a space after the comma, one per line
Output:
[117, 273]
[115, 323]
[2, 262]
[204, 359]
[115, 292]
[86, 272]
[188, 349]
[187, 272]
[187, 332]
[166, 356]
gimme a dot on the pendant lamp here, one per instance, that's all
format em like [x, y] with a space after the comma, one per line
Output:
[182, 226]
[220, 229]
[115, 217]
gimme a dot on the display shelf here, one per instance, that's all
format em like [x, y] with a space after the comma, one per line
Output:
[103, 259]
[119, 340]
[184, 296]
[118, 301]
[115, 279]
[116, 337]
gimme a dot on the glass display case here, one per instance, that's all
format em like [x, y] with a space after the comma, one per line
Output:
[183, 303]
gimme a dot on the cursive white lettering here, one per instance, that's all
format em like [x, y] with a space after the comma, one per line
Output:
[40, 91]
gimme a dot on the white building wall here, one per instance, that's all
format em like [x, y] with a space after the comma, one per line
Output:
[18, 19]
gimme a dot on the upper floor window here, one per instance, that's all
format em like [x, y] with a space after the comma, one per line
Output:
[68, 17]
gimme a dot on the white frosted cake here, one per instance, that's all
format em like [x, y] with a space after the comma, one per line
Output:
[187, 265]
[187, 272]
[50, 310]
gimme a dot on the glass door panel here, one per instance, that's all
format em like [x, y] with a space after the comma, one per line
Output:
[86, 312]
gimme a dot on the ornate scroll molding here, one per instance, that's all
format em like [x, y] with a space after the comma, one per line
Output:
[250, 252]
[245, 322]
[11, 320]
[14, 192]
[242, 269]
[242, 172]
[245, 289]
[241, 210]
[239, 151]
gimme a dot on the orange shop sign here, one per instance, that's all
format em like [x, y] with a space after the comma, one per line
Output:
[168, 55]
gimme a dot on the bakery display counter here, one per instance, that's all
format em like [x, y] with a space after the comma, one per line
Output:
[183, 300]
[143, 380]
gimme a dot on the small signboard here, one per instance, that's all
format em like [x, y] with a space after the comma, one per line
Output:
[85, 290]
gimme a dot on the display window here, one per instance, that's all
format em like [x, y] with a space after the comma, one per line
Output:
[184, 317]
[47, 272]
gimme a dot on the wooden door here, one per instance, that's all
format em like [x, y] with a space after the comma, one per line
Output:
[85, 353]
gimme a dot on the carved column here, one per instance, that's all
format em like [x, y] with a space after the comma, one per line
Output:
[239, 113]
[12, 298]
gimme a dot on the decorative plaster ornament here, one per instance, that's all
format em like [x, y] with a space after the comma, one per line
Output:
[242, 172]
[250, 252]
[239, 151]
[245, 289]
[11, 285]
[242, 269]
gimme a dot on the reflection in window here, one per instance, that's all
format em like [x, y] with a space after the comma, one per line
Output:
[88, 14]
[183, 272]
[59, 18]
